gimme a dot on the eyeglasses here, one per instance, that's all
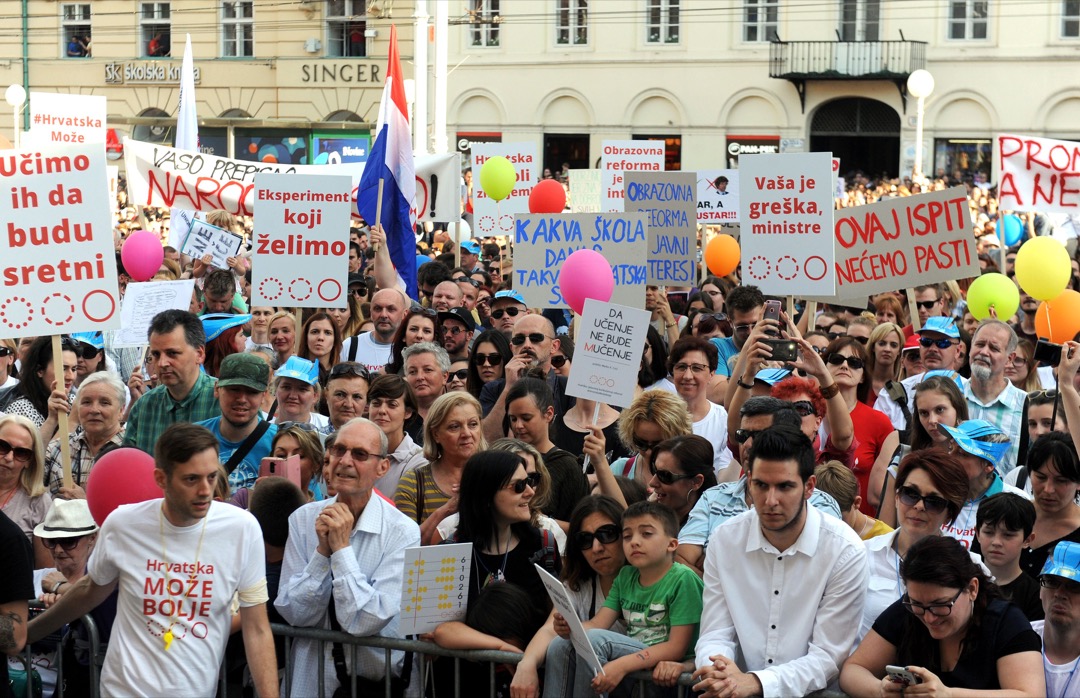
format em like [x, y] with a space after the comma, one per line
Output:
[936, 609]
[804, 408]
[1055, 582]
[744, 435]
[461, 374]
[533, 337]
[909, 496]
[696, 369]
[1018, 361]
[349, 368]
[492, 359]
[511, 312]
[452, 330]
[359, 455]
[68, 544]
[606, 534]
[854, 362]
[20, 454]
[641, 445]
[666, 477]
[530, 480]
[558, 360]
[744, 329]
[943, 343]
[927, 305]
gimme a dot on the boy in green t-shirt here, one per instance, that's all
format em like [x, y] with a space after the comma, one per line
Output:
[658, 599]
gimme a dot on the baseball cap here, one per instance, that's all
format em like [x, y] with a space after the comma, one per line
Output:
[356, 279]
[511, 294]
[942, 325]
[299, 369]
[94, 339]
[1065, 562]
[967, 434]
[459, 314]
[951, 375]
[244, 370]
[912, 342]
[67, 518]
[472, 246]
[216, 323]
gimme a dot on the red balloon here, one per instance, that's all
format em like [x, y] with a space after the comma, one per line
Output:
[548, 196]
[122, 476]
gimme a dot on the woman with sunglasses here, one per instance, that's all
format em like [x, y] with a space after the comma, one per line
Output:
[321, 344]
[681, 470]
[1054, 477]
[654, 416]
[458, 375]
[951, 630]
[692, 363]
[594, 556]
[8, 349]
[563, 356]
[282, 334]
[23, 497]
[883, 360]
[41, 394]
[1020, 369]
[487, 359]
[419, 325]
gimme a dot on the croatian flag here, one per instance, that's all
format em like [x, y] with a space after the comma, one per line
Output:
[391, 161]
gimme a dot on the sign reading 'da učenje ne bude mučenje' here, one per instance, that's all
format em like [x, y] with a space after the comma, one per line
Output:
[786, 216]
[670, 204]
[717, 196]
[619, 157]
[205, 239]
[542, 243]
[58, 267]
[301, 240]
[610, 342]
[1037, 174]
[492, 217]
[65, 118]
[584, 191]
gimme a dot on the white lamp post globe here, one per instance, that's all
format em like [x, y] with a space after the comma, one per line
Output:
[920, 84]
[15, 95]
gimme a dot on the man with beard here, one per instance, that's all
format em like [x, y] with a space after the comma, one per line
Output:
[388, 309]
[1025, 329]
[447, 295]
[989, 394]
[457, 326]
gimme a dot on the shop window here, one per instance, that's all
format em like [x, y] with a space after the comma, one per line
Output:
[238, 29]
[75, 30]
[155, 29]
[672, 149]
[962, 159]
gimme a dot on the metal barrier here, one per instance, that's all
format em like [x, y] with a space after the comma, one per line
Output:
[97, 656]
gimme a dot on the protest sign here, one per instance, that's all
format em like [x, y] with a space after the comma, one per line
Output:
[543, 242]
[561, 601]
[718, 196]
[626, 156]
[492, 217]
[180, 221]
[786, 209]
[1037, 174]
[668, 201]
[584, 191]
[205, 239]
[65, 118]
[610, 341]
[301, 240]
[436, 588]
[160, 176]
[142, 301]
[59, 263]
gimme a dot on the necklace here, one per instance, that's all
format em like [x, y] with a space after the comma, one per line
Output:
[167, 636]
[499, 575]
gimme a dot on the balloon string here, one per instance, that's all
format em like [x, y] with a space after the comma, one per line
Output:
[1049, 326]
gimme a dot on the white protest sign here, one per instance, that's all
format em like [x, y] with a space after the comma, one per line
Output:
[58, 268]
[113, 173]
[66, 118]
[1037, 174]
[180, 221]
[301, 240]
[585, 191]
[436, 587]
[492, 217]
[669, 202]
[718, 196]
[205, 239]
[543, 242]
[787, 213]
[620, 157]
[164, 177]
[142, 301]
[610, 341]
[561, 601]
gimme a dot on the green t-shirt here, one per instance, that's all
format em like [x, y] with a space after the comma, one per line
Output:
[650, 612]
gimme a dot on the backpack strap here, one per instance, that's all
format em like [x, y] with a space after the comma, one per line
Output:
[898, 393]
[1022, 454]
[245, 448]
[547, 553]
[353, 347]
[420, 485]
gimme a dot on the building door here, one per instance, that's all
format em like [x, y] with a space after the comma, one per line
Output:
[863, 133]
[569, 148]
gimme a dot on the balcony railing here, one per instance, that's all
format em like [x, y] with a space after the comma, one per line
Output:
[845, 60]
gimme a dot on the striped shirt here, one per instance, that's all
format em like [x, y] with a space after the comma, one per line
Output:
[405, 498]
[154, 412]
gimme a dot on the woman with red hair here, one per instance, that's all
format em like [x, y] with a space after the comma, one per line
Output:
[805, 394]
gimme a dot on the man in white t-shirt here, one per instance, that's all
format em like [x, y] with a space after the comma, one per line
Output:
[388, 308]
[177, 562]
[1060, 594]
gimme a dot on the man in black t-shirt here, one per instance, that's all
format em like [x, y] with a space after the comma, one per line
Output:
[16, 588]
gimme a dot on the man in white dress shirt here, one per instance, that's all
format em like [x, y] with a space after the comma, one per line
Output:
[761, 631]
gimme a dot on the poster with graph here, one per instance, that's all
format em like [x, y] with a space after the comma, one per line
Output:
[436, 587]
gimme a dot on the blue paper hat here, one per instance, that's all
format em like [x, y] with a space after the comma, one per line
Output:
[511, 294]
[472, 246]
[94, 339]
[216, 323]
[772, 376]
[951, 375]
[942, 325]
[299, 369]
[967, 437]
[1065, 562]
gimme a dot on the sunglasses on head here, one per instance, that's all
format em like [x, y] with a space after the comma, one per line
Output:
[927, 305]
[492, 359]
[606, 534]
[666, 477]
[534, 337]
[67, 544]
[349, 368]
[933, 504]
[461, 374]
[839, 359]
[530, 480]
[558, 360]
[466, 280]
[19, 454]
[943, 343]
[510, 312]
[302, 426]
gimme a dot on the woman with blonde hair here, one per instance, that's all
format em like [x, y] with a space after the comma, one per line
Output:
[282, 334]
[653, 417]
[1021, 368]
[884, 357]
[23, 497]
[9, 351]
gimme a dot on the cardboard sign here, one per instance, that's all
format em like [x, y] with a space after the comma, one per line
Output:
[787, 213]
[1037, 174]
[58, 268]
[561, 601]
[205, 239]
[718, 200]
[669, 202]
[436, 588]
[543, 242]
[620, 157]
[301, 245]
[66, 118]
[585, 191]
[142, 301]
[180, 221]
[611, 340]
[160, 176]
[492, 217]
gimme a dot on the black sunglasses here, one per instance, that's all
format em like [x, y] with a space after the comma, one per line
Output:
[744, 435]
[359, 455]
[534, 337]
[359, 291]
[302, 426]
[932, 503]
[349, 368]
[466, 280]
[833, 335]
[6, 351]
[666, 477]
[67, 544]
[558, 360]
[804, 408]
[461, 374]
[606, 534]
[512, 312]
[19, 454]
[492, 359]
[641, 445]
[452, 330]
[927, 305]
[943, 343]
[530, 480]
[81, 349]
[854, 362]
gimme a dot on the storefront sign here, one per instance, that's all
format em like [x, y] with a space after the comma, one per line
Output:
[148, 73]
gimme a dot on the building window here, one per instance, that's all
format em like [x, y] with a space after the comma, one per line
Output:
[860, 20]
[75, 30]
[663, 21]
[572, 23]
[967, 19]
[237, 28]
[346, 28]
[155, 29]
[1070, 19]
[484, 20]
[759, 20]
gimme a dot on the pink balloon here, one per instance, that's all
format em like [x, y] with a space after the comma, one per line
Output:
[122, 476]
[142, 254]
[586, 274]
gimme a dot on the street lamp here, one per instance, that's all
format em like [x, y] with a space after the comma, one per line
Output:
[15, 96]
[920, 84]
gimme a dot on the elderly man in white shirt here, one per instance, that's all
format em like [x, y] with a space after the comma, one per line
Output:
[785, 588]
[347, 554]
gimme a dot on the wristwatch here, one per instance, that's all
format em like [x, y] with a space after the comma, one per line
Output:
[738, 381]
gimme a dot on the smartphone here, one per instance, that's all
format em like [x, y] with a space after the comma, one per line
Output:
[901, 675]
[772, 312]
[677, 296]
[1047, 353]
[288, 468]
[783, 349]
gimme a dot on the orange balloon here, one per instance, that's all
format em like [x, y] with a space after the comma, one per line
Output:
[722, 255]
[1058, 320]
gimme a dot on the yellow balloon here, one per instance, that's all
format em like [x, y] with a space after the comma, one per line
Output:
[1043, 268]
[498, 177]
